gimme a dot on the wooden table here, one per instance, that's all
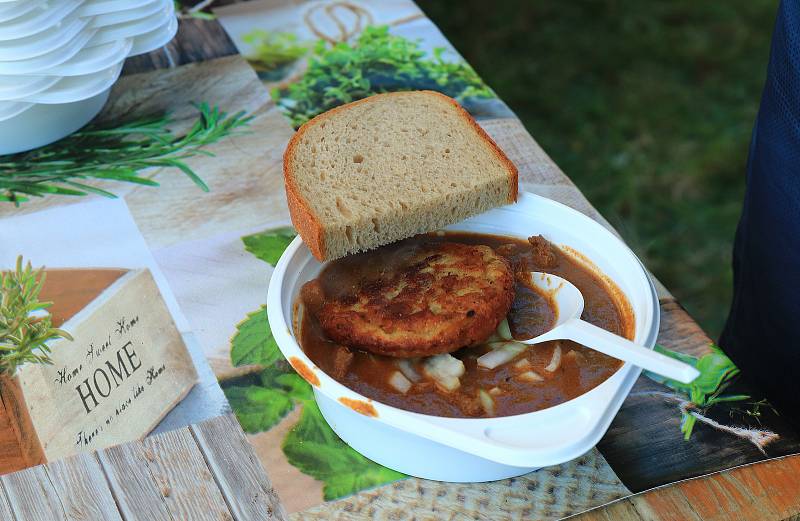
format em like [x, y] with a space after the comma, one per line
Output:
[209, 470]
[204, 472]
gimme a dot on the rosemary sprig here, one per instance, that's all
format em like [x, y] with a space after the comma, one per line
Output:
[117, 153]
[25, 326]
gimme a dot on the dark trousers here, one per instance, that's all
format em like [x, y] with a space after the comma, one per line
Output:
[762, 334]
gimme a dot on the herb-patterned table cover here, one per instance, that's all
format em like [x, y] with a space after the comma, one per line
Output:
[216, 250]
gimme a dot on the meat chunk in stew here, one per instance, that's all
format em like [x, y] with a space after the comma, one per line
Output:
[342, 358]
[544, 255]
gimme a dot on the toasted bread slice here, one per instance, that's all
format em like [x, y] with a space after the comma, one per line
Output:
[389, 167]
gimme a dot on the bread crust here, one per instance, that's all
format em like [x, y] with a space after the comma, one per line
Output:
[305, 221]
[308, 224]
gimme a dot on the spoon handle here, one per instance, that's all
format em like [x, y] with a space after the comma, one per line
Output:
[613, 345]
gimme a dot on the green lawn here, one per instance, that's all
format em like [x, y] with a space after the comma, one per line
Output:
[647, 106]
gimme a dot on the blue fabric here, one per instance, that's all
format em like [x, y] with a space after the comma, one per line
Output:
[762, 334]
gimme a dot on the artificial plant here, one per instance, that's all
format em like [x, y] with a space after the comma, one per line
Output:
[25, 325]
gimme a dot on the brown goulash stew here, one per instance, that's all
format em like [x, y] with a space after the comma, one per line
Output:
[492, 376]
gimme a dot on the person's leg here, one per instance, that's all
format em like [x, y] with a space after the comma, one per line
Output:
[762, 334]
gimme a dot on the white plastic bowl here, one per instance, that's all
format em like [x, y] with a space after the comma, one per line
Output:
[40, 64]
[94, 58]
[37, 20]
[38, 125]
[59, 60]
[12, 108]
[154, 39]
[17, 87]
[95, 7]
[12, 10]
[468, 450]
[133, 28]
[47, 41]
[75, 88]
[151, 8]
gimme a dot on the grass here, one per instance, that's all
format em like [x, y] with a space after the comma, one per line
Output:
[647, 106]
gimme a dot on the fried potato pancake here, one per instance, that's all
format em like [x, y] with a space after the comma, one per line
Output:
[440, 298]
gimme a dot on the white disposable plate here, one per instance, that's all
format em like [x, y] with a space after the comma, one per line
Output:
[145, 10]
[76, 88]
[39, 44]
[155, 39]
[40, 64]
[11, 10]
[132, 29]
[17, 87]
[42, 124]
[459, 449]
[37, 20]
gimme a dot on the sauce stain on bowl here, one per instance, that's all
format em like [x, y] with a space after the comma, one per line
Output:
[361, 407]
[304, 371]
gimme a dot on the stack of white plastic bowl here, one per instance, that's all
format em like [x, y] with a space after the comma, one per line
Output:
[59, 59]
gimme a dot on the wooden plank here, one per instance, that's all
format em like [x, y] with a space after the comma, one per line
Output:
[32, 496]
[187, 484]
[780, 481]
[197, 40]
[618, 511]
[82, 489]
[716, 499]
[247, 489]
[20, 447]
[5, 507]
[670, 504]
[765, 491]
[136, 491]
[163, 477]
[679, 332]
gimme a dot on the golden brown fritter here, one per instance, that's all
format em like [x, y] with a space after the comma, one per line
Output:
[442, 297]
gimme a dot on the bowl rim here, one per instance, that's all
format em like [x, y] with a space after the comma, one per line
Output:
[98, 7]
[32, 23]
[37, 45]
[467, 434]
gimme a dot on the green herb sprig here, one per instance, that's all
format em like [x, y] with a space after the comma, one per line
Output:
[113, 152]
[195, 11]
[376, 62]
[24, 328]
[717, 373]
[273, 49]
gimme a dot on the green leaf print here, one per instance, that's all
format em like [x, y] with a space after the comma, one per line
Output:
[269, 245]
[253, 342]
[717, 372]
[258, 408]
[261, 401]
[316, 450]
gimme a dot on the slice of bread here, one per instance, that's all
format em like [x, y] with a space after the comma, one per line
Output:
[389, 167]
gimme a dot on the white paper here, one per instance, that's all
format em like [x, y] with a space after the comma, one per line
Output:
[92, 234]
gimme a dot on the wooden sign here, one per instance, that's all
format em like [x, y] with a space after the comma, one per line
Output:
[126, 367]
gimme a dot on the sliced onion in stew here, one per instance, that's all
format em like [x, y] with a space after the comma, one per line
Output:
[445, 370]
[400, 382]
[555, 362]
[501, 353]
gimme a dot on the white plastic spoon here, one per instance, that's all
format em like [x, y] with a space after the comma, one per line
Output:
[569, 326]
